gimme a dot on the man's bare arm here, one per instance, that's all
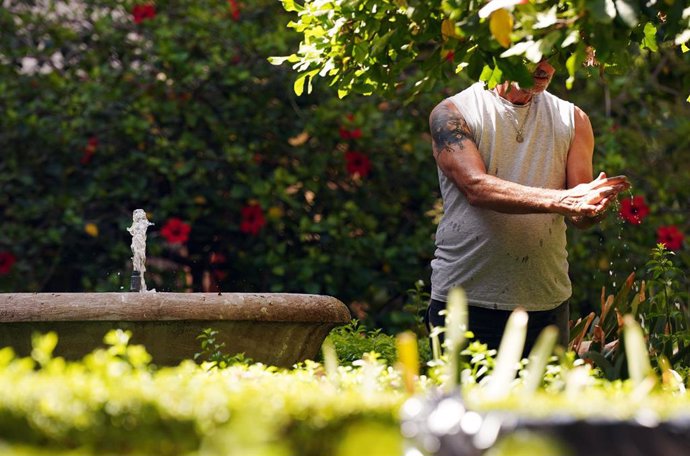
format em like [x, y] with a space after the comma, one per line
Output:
[458, 158]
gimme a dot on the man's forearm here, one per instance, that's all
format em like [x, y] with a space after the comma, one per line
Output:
[491, 192]
[584, 200]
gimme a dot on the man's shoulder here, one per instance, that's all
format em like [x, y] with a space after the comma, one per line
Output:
[473, 91]
[473, 88]
[558, 101]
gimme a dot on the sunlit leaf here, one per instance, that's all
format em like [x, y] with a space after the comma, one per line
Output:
[636, 351]
[280, 60]
[492, 76]
[602, 10]
[495, 5]
[649, 40]
[501, 25]
[408, 357]
[626, 11]
[539, 357]
[546, 19]
[509, 354]
[290, 5]
[518, 49]
[682, 38]
[573, 63]
[572, 38]
[303, 80]
[448, 29]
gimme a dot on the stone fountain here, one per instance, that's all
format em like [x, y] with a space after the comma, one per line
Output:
[279, 329]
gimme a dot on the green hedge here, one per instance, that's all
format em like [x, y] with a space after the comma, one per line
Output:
[114, 402]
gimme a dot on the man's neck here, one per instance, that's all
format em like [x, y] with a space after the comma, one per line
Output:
[512, 92]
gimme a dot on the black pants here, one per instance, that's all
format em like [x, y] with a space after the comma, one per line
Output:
[488, 324]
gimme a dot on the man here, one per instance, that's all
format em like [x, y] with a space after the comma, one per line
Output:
[513, 164]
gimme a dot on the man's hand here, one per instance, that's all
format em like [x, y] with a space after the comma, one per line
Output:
[591, 199]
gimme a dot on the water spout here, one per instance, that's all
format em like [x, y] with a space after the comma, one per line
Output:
[138, 231]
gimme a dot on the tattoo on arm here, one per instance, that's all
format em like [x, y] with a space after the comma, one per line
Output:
[449, 130]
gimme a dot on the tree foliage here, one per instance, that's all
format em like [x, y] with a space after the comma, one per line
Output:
[368, 46]
[118, 105]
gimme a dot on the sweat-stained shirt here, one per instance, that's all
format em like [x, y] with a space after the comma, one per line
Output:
[507, 260]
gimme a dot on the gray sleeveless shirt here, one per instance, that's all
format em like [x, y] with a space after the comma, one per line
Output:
[507, 260]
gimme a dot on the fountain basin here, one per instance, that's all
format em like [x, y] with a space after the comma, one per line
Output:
[279, 329]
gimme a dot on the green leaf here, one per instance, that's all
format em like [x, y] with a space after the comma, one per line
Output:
[546, 19]
[509, 354]
[602, 363]
[290, 5]
[649, 40]
[302, 80]
[636, 351]
[573, 63]
[492, 76]
[280, 60]
[539, 358]
[379, 44]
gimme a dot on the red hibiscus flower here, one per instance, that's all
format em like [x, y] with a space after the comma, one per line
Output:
[350, 134]
[7, 260]
[143, 12]
[175, 231]
[89, 150]
[634, 210]
[357, 163]
[252, 219]
[234, 10]
[670, 236]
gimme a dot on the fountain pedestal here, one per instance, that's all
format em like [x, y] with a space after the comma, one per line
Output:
[279, 329]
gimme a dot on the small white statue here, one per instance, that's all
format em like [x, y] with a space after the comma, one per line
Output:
[138, 231]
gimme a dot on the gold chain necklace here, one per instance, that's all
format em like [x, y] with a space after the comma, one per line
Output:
[519, 137]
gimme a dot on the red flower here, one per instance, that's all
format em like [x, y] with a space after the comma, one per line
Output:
[350, 134]
[450, 56]
[634, 210]
[670, 236]
[143, 12]
[7, 260]
[89, 150]
[357, 163]
[234, 10]
[252, 219]
[175, 231]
